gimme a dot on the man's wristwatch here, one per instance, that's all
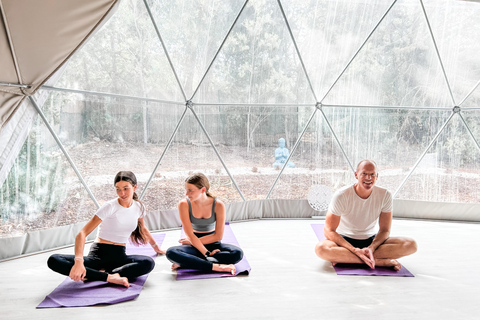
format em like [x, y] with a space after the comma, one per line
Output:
[207, 254]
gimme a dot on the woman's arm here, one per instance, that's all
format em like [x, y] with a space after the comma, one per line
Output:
[219, 225]
[150, 238]
[187, 227]
[78, 270]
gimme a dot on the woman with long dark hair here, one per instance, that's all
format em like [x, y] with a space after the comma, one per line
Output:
[118, 220]
[203, 221]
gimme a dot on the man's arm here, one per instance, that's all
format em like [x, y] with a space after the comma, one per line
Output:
[330, 230]
[384, 223]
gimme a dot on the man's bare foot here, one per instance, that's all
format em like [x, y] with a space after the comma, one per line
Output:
[224, 268]
[396, 265]
[116, 279]
[175, 266]
[389, 263]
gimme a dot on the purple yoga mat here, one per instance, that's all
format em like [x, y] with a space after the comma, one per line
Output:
[81, 294]
[354, 269]
[242, 267]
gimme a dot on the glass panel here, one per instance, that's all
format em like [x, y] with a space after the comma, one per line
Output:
[328, 34]
[394, 138]
[318, 160]
[190, 152]
[473, 100]
[472, 118]
[397, 67]
[247, 137]
[450, 171]
[258, 63]
[41, 190]
[456, 28]
[124, 57]
[105, 135]
[193, 31]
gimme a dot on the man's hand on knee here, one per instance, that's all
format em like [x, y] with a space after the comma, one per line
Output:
[366, 254]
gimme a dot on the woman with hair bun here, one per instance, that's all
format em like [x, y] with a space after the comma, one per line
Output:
[118, 220]
[203, 221]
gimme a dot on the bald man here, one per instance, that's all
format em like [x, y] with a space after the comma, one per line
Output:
[350, 225]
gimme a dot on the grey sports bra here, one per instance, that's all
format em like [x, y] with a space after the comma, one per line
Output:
[202, 224]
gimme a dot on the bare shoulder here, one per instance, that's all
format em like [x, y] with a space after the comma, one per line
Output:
[183, 204]
[219, 203]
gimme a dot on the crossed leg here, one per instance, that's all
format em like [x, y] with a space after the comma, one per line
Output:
[386, 254]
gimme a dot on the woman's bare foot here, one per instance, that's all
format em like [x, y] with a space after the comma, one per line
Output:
[388, 263]
[116, 279]
[230, 268]
[175, 266]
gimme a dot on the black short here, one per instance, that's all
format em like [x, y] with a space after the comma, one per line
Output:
[360, 243]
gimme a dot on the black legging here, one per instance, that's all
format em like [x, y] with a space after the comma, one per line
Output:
[108, 257]
[187, 256]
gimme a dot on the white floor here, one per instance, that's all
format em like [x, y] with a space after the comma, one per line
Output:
[287, 281]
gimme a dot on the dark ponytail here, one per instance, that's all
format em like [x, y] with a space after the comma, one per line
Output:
[138, 235]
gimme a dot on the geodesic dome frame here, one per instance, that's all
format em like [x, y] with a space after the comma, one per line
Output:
[319, 94]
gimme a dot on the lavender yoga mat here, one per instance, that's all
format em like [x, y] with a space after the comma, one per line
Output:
[242, 267]
[81, 294]
[355, 269]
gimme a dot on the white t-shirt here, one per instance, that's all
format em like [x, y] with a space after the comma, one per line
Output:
[359, 216]
[118, 222]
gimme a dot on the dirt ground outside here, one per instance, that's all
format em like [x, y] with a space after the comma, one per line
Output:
[252, 171]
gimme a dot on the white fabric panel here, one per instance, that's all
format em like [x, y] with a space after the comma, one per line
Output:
[159, 220]
[41, 240]
[238, 211]
[249, 210]
[9, 103]
[287, 209]
[244, 210]
[436, 210]
[12, 247]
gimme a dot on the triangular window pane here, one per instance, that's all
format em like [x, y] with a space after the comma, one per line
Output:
[398, 66]
[258, 63]
[328, 34]
[193, 31]
[456, 28]
[450, 171]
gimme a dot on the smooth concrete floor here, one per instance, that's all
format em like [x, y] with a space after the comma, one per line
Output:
[287, 281]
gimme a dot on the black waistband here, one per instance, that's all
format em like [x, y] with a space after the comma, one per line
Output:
[203, 234]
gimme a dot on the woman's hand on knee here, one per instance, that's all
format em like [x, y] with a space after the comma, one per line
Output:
[78, 271]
